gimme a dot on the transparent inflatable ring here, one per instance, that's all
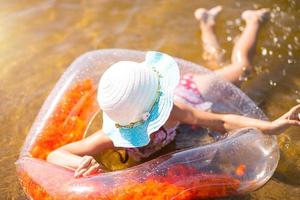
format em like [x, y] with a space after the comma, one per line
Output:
[240, 163]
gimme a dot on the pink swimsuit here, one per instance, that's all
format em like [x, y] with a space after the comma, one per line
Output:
[186, 92]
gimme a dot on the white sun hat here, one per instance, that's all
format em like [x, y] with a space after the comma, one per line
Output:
[137, 98]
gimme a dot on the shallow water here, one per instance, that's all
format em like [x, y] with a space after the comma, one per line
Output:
[39, 39]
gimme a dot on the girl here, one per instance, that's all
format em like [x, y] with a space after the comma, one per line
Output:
[143, 103]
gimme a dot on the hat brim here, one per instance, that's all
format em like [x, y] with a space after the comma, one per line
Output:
[139, 135]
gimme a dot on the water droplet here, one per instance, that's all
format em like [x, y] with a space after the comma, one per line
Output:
[264, 51]
[298, 100]
[275, 40]
[290, 61]
[290, 46]
[290, 53]
[243, 78]
[296, 40]
[229, 38]
[273, 83]
[270, 52]
[273, 15]
[237, 21]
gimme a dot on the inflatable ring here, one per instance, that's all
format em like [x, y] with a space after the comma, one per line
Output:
[240, 163]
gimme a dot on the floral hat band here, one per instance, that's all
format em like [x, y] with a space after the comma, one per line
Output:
[146, 115]
[137, 98]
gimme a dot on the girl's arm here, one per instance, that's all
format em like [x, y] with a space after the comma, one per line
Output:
[78, 155]
[227, 122]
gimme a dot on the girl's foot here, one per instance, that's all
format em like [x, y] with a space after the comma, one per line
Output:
[256, 16]
[207, 16]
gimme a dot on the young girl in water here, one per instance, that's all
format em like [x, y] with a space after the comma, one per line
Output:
[143, 103]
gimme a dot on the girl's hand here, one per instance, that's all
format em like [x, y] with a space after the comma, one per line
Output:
[291, 118]
[88, 166]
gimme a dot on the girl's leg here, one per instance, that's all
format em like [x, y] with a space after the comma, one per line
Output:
[211, 46]
[244, 48]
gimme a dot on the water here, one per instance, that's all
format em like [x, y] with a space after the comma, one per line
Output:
[39, 39]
